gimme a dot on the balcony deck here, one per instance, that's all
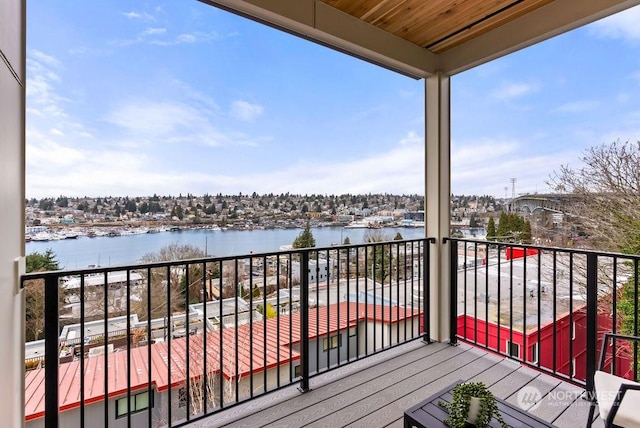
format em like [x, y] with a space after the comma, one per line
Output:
[375, 391]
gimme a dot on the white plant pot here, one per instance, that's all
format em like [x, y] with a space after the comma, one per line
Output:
[474, 410]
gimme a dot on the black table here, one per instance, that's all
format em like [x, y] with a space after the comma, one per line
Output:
[428, 414]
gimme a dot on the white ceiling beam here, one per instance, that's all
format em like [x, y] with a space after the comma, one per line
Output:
[315, 20]
[548, 21]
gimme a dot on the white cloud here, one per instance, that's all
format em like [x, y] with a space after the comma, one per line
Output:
[41, 96]
[146, 35]
[245, 110]
[61, 162]
[195, 97]
[85, 50]
[196, 37]
[153, 31]
[43, 152]
[131, 15]
[99, 172]
[143, 16]
[623, 25]
[187, 38]
[576, 107]
[173, 122]
[47, 60]
[480, 167]
[411, 138]
[397, 170]
[486, 166]
[514, 90]
[161, 36]
[631, 133]
[96, 171]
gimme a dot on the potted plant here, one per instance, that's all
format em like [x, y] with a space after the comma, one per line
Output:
[473, 404]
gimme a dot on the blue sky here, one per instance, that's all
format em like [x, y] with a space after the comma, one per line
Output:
[142, 97]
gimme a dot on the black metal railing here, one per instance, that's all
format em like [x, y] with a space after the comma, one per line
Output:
[544, 307]
[184, 339]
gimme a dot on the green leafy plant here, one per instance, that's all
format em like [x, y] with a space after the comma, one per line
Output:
[458, 409]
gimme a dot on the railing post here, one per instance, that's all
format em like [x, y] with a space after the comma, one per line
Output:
[426, 306]
[453, 297]
[51, 346]
[304, 320]
[592, 314]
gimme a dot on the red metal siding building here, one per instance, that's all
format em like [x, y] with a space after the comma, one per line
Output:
[569, 352]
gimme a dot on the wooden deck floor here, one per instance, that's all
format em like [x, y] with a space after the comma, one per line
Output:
[376, 391]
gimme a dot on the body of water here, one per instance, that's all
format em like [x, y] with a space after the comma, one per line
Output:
[124, 250]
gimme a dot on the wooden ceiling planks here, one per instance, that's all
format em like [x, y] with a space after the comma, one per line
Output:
[486, 25]
[437, 25]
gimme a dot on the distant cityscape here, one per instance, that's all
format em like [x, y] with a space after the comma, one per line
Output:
[244, 211]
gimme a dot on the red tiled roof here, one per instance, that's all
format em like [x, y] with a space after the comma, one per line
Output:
[251, 358]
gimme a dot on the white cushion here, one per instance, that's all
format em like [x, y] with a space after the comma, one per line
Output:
[607, 387]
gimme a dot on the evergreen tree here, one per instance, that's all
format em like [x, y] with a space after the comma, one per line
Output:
[398, 237]
[130, 206]
[38, 262]
[62, 202]
[491, 230]
[305, 239]
[34, 293]
[347, 241]
[503, 226]
[525, 236]
[210, 209]
[177, 211]
[46, 204]
[155, 207]
[379, 255]
[473, 221]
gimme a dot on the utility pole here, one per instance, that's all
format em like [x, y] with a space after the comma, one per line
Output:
[513, 193]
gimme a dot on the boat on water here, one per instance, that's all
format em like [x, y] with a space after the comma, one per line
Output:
[47, 236]
[365, 224]
[358, 224]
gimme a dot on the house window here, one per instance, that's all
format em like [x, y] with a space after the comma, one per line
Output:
[332, 342]
[297, 370]
[512, 349]
[535, 350]
[139, 402]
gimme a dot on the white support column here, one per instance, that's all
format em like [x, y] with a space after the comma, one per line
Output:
[437, 197]
[12, 194]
